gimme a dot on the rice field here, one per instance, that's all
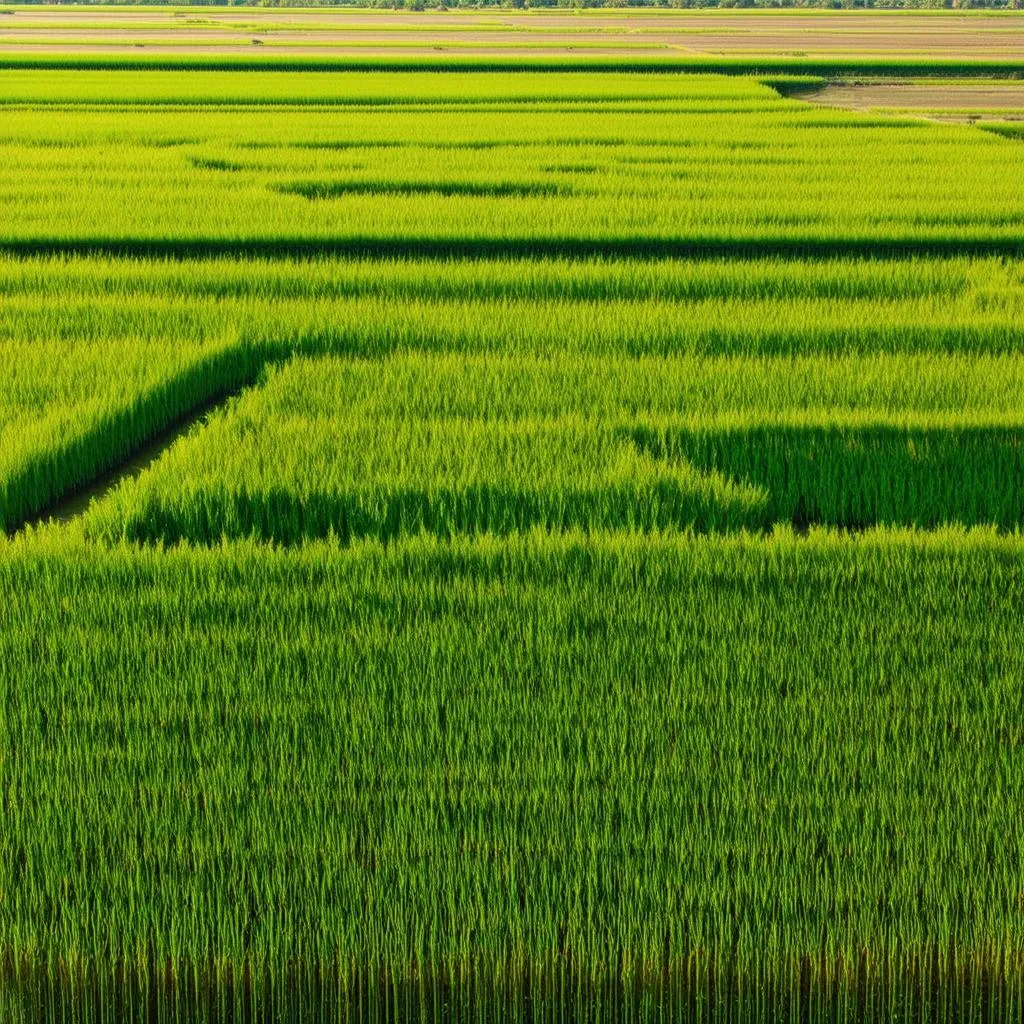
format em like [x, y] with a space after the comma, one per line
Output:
[458, 164]
[464, 445]
[554, 776]
[910, 40]
[577, 574]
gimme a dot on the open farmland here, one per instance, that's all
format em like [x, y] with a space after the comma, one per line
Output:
[887, 37]
[528, 545]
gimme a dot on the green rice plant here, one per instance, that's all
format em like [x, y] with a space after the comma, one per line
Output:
[362, 164]
[982, 283]
[609, 776]
[456, 445]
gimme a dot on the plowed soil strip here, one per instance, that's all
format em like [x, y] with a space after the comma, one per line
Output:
[819, 35]
[953, 100]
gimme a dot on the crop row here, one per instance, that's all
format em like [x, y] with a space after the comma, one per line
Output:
[981, 283]
[968, 324]
[426, 88]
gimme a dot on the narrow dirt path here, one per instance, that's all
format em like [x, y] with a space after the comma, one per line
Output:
[76, 502]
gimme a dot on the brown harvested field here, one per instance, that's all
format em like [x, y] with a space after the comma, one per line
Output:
[814, 34]
[945, 100]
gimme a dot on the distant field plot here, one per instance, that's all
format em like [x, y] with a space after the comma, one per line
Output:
[182, 33]
[947, 101]
[533, 545]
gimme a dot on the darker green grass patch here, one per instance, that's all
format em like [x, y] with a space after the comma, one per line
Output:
[367, 246]
[489, 190]
[853, 121]
[1005, 130]
[768, 69]
[862, 475]
[572, 169]
[204, 164]
[343, 144]
[286, 516]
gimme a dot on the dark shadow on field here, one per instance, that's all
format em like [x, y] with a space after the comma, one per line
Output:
[760, 66]
[440, 248]
[859, 476]
[285, 516]
[316, 190]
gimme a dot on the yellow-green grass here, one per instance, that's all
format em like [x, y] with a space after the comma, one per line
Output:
[475, 165]
[452, 445]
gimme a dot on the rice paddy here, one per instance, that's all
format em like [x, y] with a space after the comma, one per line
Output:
[578, 571]
[331, 34]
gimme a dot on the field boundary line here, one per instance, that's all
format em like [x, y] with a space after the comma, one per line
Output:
[467, 247]
[750, 66]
